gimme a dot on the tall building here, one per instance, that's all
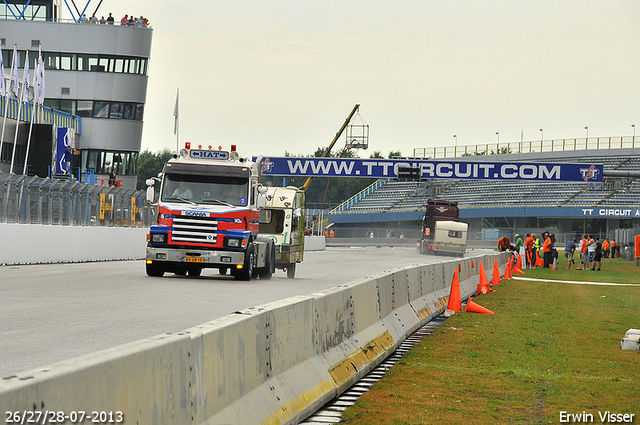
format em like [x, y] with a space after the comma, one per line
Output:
[96, 71]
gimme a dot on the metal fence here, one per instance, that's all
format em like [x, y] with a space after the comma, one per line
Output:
[555, 145]
[35, 200]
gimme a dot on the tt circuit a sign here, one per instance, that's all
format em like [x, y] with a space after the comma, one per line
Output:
[611, 212]
[388, 168]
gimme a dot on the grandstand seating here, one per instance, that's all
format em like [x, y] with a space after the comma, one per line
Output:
[394, 196]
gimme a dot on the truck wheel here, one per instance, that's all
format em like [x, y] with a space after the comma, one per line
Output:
[154, 270]
[247, 271]
[195, 271]
[270, 263]
[291, 270]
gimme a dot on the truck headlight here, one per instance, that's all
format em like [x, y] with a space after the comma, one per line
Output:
[233, 243]
[158, 237]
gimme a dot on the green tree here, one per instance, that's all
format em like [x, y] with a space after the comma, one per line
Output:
[393, 154]
[149, 165]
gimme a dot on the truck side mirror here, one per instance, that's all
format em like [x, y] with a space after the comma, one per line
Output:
[151, 193]
[261, 201]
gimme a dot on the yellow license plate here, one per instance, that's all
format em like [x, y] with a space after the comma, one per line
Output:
[193, 260]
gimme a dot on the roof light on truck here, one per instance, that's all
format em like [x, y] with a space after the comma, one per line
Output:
[234, 155]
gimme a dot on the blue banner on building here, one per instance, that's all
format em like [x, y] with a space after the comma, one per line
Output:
[65, 142]
[427, 169]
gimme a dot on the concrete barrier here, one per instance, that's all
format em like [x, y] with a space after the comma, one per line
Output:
[38, 244]
[272, 364]
[42, 244]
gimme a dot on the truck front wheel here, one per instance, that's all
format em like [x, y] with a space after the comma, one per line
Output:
[247, 270]
[270, 263]
[154, 270]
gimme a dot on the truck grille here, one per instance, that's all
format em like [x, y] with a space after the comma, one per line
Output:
[203, 230]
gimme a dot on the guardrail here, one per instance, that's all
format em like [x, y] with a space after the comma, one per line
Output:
[272, 364]
[554, 145]
[35, 200]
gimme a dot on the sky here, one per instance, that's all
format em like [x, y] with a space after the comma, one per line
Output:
[275, 77]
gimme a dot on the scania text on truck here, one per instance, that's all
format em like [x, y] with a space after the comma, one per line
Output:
[208, 217]
[442, 233]
[282, 220]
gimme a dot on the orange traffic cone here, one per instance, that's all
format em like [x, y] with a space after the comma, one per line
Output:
[483, 286]
[539, 261]
[507, 271]
[496, 273]
[455, 301]
[475, 308]
[555, 265]
[516, 268]
[519, 263]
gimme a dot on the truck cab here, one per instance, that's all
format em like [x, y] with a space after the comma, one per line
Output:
[442, 233]
[208, 217]
[282, 220]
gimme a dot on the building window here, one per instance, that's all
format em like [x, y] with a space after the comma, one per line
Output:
[98, 109]
[80, 62]
[102, 162]
[101, 109]
[116, 110]
[84, 108]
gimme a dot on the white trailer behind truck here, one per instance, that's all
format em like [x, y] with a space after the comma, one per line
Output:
[282, 220]
[450, 237]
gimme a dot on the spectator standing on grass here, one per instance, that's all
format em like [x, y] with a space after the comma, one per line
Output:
[528, 245]
[569, 249]
[547, 252]
[591, 249]
[583, 253]
[605, 248]
[598, 254]
[519, 243]
[612, 248]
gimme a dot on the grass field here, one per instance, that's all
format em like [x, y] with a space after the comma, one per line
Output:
[550, 348]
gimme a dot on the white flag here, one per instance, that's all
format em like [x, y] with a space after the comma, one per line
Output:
[3, 88]
[40, 99]
[175, 114]
[25, 80]
[15, 88]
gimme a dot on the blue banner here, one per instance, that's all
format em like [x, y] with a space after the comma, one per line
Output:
[427, 169]
[65, 141]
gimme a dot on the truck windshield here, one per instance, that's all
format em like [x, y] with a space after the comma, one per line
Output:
[195, 189]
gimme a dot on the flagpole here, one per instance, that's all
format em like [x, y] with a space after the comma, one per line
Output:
[6, 98]
[36, 99]
[176, 126]
[20, 97]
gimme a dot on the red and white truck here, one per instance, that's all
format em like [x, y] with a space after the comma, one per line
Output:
[208, 217]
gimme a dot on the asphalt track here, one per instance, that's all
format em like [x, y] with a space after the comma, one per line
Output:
[50, 313]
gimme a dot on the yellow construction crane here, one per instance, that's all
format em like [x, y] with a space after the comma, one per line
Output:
[333, 142]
